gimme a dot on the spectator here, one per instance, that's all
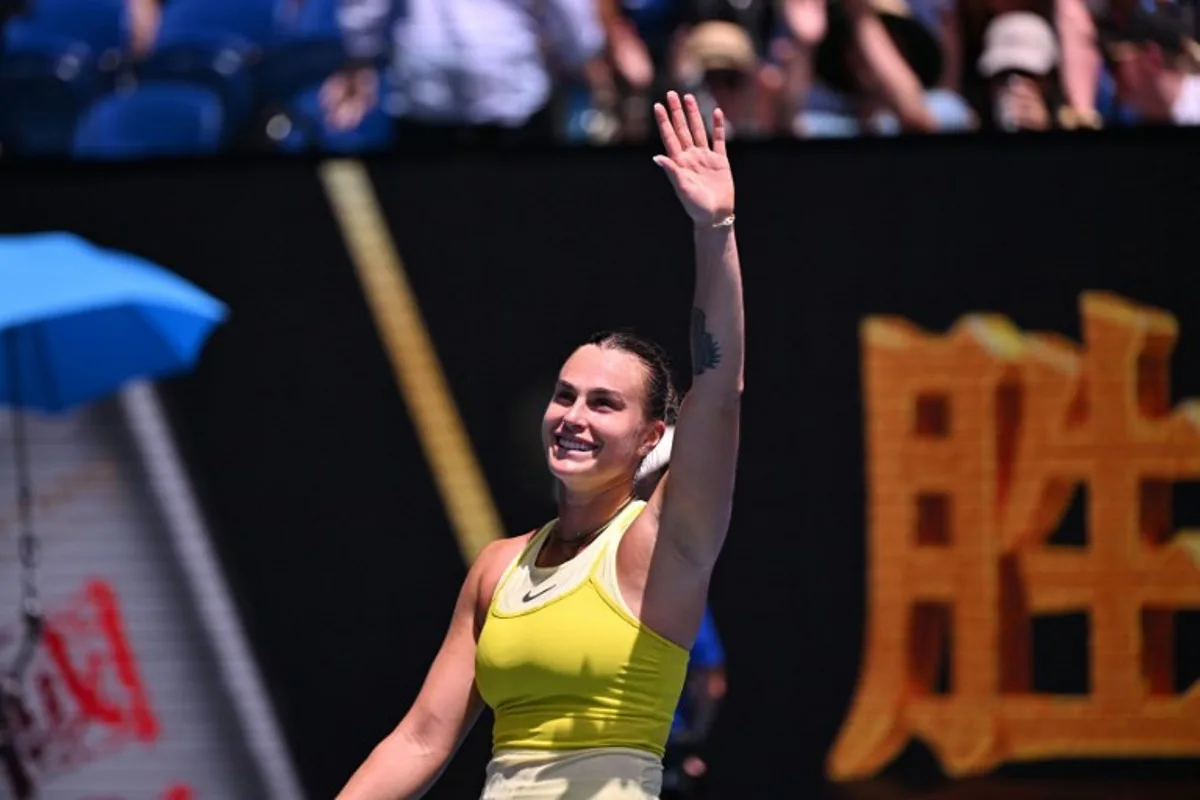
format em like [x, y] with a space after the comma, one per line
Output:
[1154, 62]
[759, 90]
[653, 48]
[640, 34]
[878, 69]
[1077, 74]
[1020, 60]
[718, 63]
[684, 767]
[804, 24]
[463, 69]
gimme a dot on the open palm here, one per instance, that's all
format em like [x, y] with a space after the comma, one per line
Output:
[699, 173]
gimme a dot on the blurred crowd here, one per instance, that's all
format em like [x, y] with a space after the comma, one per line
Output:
[125, 77]
[842, 68]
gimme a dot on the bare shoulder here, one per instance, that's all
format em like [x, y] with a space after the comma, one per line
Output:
[492, 562]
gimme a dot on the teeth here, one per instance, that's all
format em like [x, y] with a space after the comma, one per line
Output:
[567, 444]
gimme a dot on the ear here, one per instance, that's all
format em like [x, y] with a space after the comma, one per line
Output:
[654, 436]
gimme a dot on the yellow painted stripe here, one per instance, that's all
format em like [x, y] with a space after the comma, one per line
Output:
[440, 430]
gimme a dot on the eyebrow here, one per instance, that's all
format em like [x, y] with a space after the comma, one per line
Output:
[601, 391]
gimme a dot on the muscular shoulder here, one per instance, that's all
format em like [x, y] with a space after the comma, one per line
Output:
[491, 563]
[494, 558]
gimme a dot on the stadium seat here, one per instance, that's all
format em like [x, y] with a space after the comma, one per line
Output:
[153, 120]
[306, 48]
[100, 24]
[212, 44]
[581, 115]
[42, 93]
[244, 22]
[213, 62]
[308, 19]
[56, 59]
[300, 127]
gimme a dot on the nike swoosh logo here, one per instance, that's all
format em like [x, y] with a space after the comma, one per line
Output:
[532, 595]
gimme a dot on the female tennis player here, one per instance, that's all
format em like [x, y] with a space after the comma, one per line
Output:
[577, 634]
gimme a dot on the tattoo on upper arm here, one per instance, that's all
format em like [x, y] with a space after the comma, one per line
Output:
[706, 351]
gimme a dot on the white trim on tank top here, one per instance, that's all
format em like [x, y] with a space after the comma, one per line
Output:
[527, 587]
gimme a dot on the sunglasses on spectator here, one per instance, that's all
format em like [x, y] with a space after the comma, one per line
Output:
[725, 78]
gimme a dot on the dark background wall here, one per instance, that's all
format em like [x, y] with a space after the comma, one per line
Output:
[334, 537]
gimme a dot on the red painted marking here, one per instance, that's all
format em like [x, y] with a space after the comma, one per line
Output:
[85, 685]
[145, 725]
[81, 686]
[179, 791]
[85, 698]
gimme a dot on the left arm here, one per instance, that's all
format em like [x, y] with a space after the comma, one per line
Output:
[1080, 56]
[901, 89]
[696, 503]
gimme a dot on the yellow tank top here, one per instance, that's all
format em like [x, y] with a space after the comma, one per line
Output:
[565, 665]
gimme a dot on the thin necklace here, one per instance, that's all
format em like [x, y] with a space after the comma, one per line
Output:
[587, 535]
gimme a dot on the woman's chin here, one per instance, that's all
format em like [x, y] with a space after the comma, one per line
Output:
[566, 468]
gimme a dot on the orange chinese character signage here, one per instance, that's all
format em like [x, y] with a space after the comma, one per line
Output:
[976, 442]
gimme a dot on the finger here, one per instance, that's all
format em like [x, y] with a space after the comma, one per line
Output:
[669, 167]
[669, 139]
[695, 121]
[679, 120]
[719, 132]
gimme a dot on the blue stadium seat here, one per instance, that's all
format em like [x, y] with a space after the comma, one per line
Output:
[212, 61]
[56, 59]
[213, 44]
[100, 24]
[306, 48]
[153, 120]
[302, 128]
[579, 112]
[235, 22]
[42, 93]
[308, 19]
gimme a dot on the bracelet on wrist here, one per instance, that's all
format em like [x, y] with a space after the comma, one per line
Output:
[725, 222]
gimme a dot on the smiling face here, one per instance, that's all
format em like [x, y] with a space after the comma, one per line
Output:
[596, 430]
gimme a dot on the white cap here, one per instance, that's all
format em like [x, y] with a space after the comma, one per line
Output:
[1019, 40]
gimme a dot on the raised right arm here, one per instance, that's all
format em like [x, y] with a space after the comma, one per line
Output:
[409, 759]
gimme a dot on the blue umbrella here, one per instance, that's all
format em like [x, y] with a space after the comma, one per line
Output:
[76, 323]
